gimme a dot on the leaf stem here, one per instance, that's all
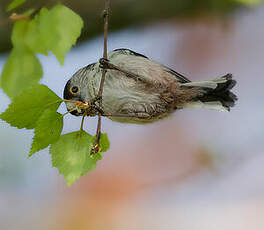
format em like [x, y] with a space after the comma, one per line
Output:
[53, 103]
[68, 112]
[81, 129]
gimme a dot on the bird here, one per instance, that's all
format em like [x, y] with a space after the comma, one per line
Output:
[139, 90]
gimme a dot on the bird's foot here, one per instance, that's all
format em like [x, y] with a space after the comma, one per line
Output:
[104, 63]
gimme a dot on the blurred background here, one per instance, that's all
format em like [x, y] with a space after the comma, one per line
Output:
[197, 170]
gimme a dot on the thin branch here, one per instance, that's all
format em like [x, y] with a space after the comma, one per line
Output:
[13, 18]
[18, 17]
[95, 148]
[106, 17]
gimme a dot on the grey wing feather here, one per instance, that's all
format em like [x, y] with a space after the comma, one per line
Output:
[129, 52]
[115, 56]
[180, 77]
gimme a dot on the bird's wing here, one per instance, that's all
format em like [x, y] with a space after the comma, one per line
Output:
[127, 52]
[180, 77]
[144, 67]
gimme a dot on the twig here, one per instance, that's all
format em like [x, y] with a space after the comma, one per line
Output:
[95, 148]
[13, 18]
[18, 17]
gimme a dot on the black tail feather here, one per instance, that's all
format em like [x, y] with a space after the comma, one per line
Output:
[225, 86]
[221, 93]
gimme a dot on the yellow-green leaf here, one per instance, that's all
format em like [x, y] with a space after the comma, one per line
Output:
[90, 161]
[60, 30]
[104, 143]
[47, 131]
[70, 153]
[28, 33]
[26, 108]
[21, 71]
[54, 30]
[14, 4]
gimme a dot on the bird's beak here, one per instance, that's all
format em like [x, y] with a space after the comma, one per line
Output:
[71, 107]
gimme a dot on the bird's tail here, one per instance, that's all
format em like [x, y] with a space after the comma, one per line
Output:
[215, 94]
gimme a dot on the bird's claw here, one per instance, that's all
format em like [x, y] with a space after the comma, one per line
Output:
[104, 63]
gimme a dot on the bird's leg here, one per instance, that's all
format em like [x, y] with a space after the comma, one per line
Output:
[105, 64]
[99, 109]
[90, 107]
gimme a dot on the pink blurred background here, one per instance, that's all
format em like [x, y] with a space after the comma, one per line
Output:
[197, 170]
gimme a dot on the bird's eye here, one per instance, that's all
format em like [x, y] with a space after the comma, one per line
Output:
[74, 89]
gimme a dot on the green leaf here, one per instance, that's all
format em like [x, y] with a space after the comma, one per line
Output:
[60, 30]
[47, 131]
[28, 33]
[25, 109]
[53, 30]
[35, 39]
[70, 153]
[91, 160]
[14, 4]
[29, 12]
[22, 70]
[19, 31]
[104, 143]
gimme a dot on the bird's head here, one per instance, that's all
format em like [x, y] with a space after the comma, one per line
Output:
[76, 90]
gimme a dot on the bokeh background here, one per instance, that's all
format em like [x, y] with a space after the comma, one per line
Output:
[197, 170]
